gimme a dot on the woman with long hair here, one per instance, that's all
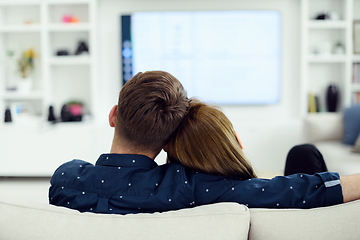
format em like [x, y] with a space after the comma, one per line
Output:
[206, 141]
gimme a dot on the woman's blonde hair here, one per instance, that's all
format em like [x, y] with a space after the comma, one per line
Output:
[206, 141]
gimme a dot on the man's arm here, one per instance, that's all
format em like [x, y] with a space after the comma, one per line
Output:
[350, 187]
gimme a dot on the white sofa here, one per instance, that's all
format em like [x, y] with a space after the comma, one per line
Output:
[21, 219]
[325, 131]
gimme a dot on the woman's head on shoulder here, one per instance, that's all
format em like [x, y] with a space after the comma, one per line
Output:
[206, 141]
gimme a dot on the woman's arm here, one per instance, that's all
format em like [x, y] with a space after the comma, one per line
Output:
[350, 187]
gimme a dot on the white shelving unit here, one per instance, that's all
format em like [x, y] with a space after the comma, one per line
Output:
[56, 79]
[320, 70]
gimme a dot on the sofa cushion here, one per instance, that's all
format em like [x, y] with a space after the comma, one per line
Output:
[351, 124]
[30, 220]
[323, 126]
[330, 223]
[356, 148]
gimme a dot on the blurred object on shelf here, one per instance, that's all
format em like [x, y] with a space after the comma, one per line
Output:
[11, 88]
[25, 112]
[67, 18]
[51, 116]
[332, 98]
[318, 105]
[24, 85]
[322, 16]
[74, 20]
[65, 114]
[72, 112]
[339, 48]
[82, 48]
[26, 62]
[30, 22]
[26, 66]
[8, 115]
[327, 16]
[312, 103]
[62, 52]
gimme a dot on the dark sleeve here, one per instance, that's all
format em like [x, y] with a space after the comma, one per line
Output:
[63, 189]
[294, 191]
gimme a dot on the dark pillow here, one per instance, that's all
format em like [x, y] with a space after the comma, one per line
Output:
[351, 124]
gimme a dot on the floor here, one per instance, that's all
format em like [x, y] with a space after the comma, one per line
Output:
[34, 189]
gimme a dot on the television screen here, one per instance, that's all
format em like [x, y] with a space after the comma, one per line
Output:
[222, 57]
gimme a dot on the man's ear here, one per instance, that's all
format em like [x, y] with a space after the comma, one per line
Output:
[112, 116]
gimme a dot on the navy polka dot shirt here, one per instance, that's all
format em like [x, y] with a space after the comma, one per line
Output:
[125, 183]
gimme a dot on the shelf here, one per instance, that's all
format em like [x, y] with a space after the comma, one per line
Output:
[20, 28]
[68, 27]
[326, 24]
[35, 95]
[327, 59]
[70, 60]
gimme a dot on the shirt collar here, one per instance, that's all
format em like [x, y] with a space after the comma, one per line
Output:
[125, 160]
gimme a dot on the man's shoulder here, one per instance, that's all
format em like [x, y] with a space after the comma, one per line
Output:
[71, 167]
[74, 163]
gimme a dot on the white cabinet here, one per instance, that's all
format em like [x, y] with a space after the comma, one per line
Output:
[322, 63]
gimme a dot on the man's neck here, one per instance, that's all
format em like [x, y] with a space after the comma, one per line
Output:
[121, 147]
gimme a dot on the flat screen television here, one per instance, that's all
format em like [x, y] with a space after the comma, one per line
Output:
[222, 57]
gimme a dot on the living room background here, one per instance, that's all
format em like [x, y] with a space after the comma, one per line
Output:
[267, 131]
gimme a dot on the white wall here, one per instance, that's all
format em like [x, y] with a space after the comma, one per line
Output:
[267, 131]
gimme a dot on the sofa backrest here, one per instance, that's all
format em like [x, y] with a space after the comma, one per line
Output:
[31, 220]
[329, 223]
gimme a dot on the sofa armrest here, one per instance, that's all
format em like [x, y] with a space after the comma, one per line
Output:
[324, 127]
[324, 223]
